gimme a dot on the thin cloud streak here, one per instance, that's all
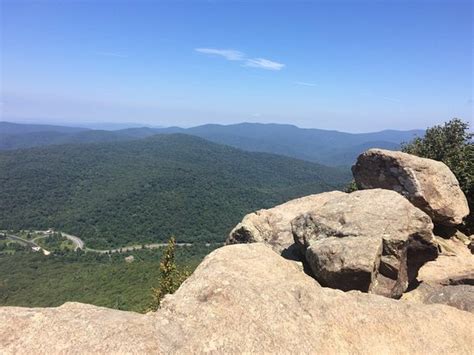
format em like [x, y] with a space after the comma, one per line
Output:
[229, 54]
[235, 55]
[303, 83]
[263, 63]
[112, 54]
[393, 99]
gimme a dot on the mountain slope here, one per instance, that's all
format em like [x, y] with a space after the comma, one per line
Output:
[112, 194]
[325, 147]
[322, 146]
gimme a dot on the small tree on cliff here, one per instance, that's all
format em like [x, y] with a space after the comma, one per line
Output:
[452, 144]
[170, 276]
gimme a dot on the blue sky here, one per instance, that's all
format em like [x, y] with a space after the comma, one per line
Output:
[346, 65]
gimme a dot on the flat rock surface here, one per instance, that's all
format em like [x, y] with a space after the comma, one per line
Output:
[75, 328]
[427, 183]
[244, 299]
[459, 296]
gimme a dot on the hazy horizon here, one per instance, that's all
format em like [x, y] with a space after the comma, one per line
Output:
[110, 126]
[352, 66]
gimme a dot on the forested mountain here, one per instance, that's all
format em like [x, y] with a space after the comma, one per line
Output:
[322, 146]
[19, 136]
[325, 147]
[9, 128]
[118, 193]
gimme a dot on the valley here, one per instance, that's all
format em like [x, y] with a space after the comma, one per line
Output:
[137, 192]
[88, 222]
[108, 280]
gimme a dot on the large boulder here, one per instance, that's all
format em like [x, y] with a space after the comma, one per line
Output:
[369, 240]
[427, 183]
[244, 299]
[273, 226]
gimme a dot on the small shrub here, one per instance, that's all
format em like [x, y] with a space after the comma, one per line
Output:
[170, 276]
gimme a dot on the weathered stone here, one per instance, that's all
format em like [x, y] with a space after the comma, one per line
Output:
[428, 184]
[447, 280]
[459, 296]
[349, 263]
[346, 237]
[389, 266]
[455, 262]
[244, 299]
[448, 232]
[75, 328]
[273, 227]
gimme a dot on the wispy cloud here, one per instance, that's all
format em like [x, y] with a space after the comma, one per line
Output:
[113, 54]
[263, 63]
[229, 54]
[235, 55]
[303, 83]
[393, 99]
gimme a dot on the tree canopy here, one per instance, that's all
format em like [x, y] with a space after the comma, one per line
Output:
[117, 194]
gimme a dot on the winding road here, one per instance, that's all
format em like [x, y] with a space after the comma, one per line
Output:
[29, 243]
[136, 247]
[79, 244]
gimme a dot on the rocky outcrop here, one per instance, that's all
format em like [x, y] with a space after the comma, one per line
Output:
[244, 299]
[353, 237]
[273, 226]
[428, 184]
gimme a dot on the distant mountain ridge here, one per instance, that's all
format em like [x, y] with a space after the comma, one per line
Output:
[326, 147]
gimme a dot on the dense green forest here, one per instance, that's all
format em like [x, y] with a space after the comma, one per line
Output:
[119, 193]
[34, 280]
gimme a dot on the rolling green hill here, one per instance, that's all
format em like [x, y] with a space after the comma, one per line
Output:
[118, 193]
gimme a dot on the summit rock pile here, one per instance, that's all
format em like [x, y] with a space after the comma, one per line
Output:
[376, 239]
